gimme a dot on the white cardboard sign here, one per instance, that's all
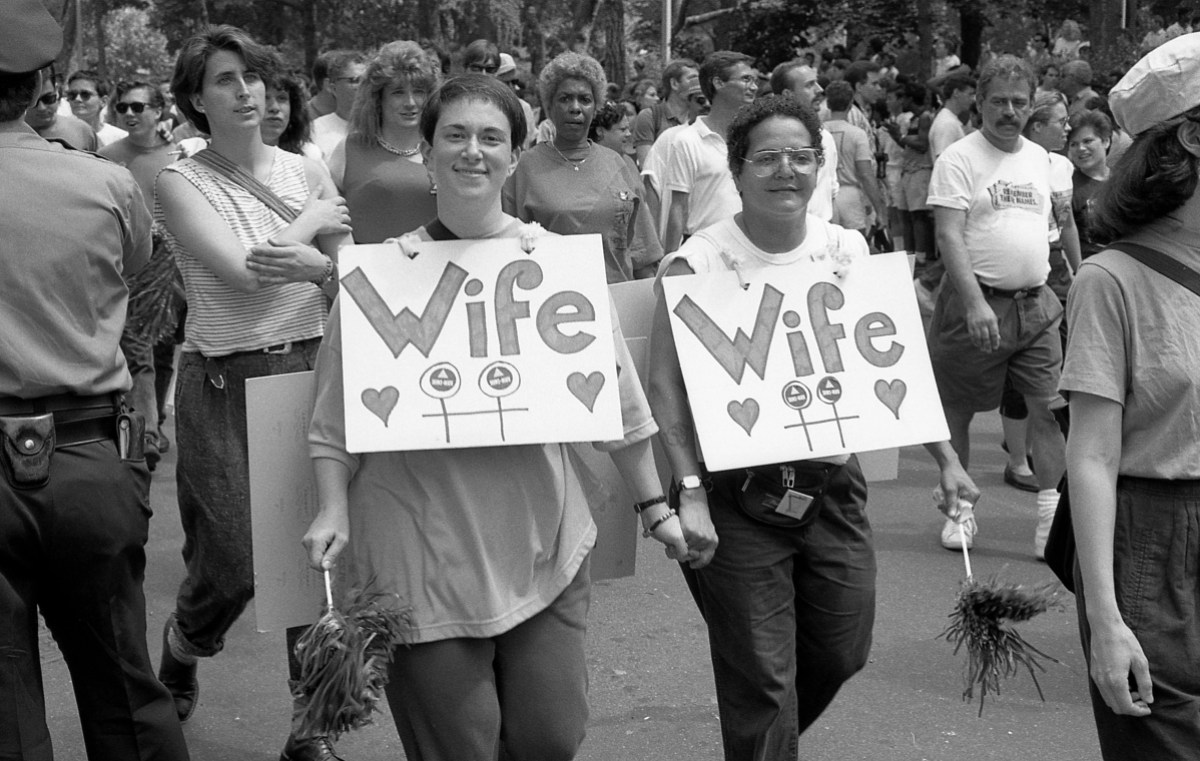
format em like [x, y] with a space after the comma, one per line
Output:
[802, 364]
[476, 343]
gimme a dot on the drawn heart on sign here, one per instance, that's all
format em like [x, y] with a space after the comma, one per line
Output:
[381, 403]
[891, 393]
[744, 413]
[586, 388]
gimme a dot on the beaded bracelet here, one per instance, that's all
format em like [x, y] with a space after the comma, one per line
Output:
[666, 517]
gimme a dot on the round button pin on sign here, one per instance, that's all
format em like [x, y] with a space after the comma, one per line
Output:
[796, 395]
[829, 390]
[441, 381]
[499, 379]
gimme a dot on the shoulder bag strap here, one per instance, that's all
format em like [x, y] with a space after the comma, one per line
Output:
[1161, 263]
[240, 177]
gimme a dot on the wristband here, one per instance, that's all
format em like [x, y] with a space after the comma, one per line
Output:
[666, 517]
[638, 507]
[327, 275]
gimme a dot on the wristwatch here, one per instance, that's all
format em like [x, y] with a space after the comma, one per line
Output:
[690, 482]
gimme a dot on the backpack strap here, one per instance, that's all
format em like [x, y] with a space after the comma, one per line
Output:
[1161, 263]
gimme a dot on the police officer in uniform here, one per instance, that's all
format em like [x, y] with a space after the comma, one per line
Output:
[74, 492]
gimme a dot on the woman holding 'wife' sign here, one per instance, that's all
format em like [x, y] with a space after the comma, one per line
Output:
[488, 546]
[788, 596]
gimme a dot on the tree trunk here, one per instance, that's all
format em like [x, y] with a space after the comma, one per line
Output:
[925, 39]
[101, 38]
[308, 31]
[611, 22]
[1105, 27]
[971, 25]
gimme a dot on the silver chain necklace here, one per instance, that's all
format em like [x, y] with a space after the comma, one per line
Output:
[573, 163]
[398, 151]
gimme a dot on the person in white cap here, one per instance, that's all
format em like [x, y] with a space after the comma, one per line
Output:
[1133, 458]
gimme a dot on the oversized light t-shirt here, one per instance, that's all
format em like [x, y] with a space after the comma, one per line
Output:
[1134, 338]
[1007, 200]
[475, 540]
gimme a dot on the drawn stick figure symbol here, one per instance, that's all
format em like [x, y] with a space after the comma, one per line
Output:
[498, 380]
[797, 396]
[442, 381]
[829, 390]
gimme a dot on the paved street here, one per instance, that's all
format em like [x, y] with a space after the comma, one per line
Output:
[651, 683]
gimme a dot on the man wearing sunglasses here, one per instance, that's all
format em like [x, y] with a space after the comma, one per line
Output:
[45, 119]
[346, 71]
[87, 94]
[74, 488]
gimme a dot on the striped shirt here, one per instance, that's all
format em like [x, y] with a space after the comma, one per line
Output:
[220, 319]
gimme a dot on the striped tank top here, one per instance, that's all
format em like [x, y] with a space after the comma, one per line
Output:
[220, 319]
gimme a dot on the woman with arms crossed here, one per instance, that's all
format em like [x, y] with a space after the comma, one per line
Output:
[257, 289]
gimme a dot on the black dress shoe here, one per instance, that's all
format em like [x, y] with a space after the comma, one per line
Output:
[309, 749]
[179, 678]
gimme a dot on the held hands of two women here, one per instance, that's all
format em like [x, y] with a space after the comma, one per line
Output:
[699, 534]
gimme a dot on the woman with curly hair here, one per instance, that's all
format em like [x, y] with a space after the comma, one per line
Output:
[379, 165]
[611, 129]
[286, 123]
[571, 185]
[789, 603]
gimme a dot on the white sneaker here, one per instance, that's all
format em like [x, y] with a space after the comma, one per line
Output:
[1045, 518]
[952, 538]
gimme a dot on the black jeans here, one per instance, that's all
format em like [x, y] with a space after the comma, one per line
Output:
[790, 613]
[1156, 550]
[74, 549]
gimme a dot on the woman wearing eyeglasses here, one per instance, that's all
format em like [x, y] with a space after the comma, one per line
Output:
[571, 185]
[789, 605]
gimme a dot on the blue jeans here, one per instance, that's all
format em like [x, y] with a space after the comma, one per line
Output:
[213, 481]
[789, 613]
[1156, 550]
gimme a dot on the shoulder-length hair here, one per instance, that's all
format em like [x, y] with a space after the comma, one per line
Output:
[297, 131]
[188, 79]
[1154, 177]
[399, 61]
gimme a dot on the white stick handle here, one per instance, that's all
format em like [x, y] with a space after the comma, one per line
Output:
[962, 537]
[329, 588]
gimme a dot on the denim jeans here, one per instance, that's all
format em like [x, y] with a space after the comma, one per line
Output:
[213, 482]
[1156, 550]
[789, 613]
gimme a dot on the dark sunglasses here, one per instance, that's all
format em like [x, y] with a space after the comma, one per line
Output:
[480, 68]
[135, 107]
[49, 99]
[84, 95]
